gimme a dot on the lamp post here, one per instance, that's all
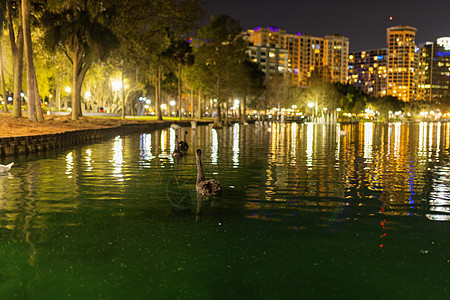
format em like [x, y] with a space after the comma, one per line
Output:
[311, 106]
[116, 87]
[172, 106]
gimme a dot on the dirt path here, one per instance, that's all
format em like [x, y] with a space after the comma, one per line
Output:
[10, 126]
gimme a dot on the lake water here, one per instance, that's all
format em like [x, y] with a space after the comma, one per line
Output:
[307, 211]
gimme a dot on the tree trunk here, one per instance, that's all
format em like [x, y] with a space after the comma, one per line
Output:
[179, 90]
[18, 75]
[17, 52]
[192, 103]
[227, 120]
[29, 56]
[76, 105]
[39, 113]
[243, 114]
[58, 96]
[122, 93]
[158, 94]
[199, 105]
[2, 80]
[218, 119]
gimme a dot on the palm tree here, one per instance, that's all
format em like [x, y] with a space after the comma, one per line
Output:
[2, 77]
[179, 54]
[79, 29]
[34, 103]
[14, 12]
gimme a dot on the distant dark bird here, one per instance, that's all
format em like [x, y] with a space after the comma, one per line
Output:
[177, 152]
[206, 187]
[183, 145]
[4, 169]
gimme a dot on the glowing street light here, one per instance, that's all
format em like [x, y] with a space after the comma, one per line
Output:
[172, 103]
[68, 89]
[311, 104]
[116, 85]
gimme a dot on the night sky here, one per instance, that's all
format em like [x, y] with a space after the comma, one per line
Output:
[363, 22]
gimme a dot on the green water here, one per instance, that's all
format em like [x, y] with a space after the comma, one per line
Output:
[308, 211]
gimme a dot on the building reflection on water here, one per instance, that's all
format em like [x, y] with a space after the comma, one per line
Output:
[398, 165]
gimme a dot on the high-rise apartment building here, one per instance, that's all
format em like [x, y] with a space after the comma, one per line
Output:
[403, 70]
[401, 65]
[307, 55]
[336, 57]
[273, 60]
[367, 71]
[433, 73]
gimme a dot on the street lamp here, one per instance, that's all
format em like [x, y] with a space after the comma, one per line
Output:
[116, 85]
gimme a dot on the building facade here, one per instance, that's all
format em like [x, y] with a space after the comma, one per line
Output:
[433, 78]
[401, 64]
[327, 57]
[367, 70]
[273, 60]
[336, 57]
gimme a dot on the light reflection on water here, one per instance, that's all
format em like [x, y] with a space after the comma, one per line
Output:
[350, 191]
[403, 166]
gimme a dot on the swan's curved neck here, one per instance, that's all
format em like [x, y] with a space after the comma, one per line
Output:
[200, 173]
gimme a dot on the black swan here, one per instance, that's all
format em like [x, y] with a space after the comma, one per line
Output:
[206, 187]
[177, 152]
[183, 145]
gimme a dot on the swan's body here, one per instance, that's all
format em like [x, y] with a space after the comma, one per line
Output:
[206, 187]
[177, 152]
[183, 145]
[5, 169]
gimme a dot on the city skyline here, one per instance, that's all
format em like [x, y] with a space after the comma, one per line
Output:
[365, 30]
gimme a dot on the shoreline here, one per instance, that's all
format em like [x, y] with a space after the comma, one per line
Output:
[20, 136]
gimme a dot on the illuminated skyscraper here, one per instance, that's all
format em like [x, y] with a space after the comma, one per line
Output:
[328, 57]
[401, 64]
[367, 71]
[433, 78]
[335, 58]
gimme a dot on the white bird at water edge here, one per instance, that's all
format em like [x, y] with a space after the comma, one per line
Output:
[4, 169]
